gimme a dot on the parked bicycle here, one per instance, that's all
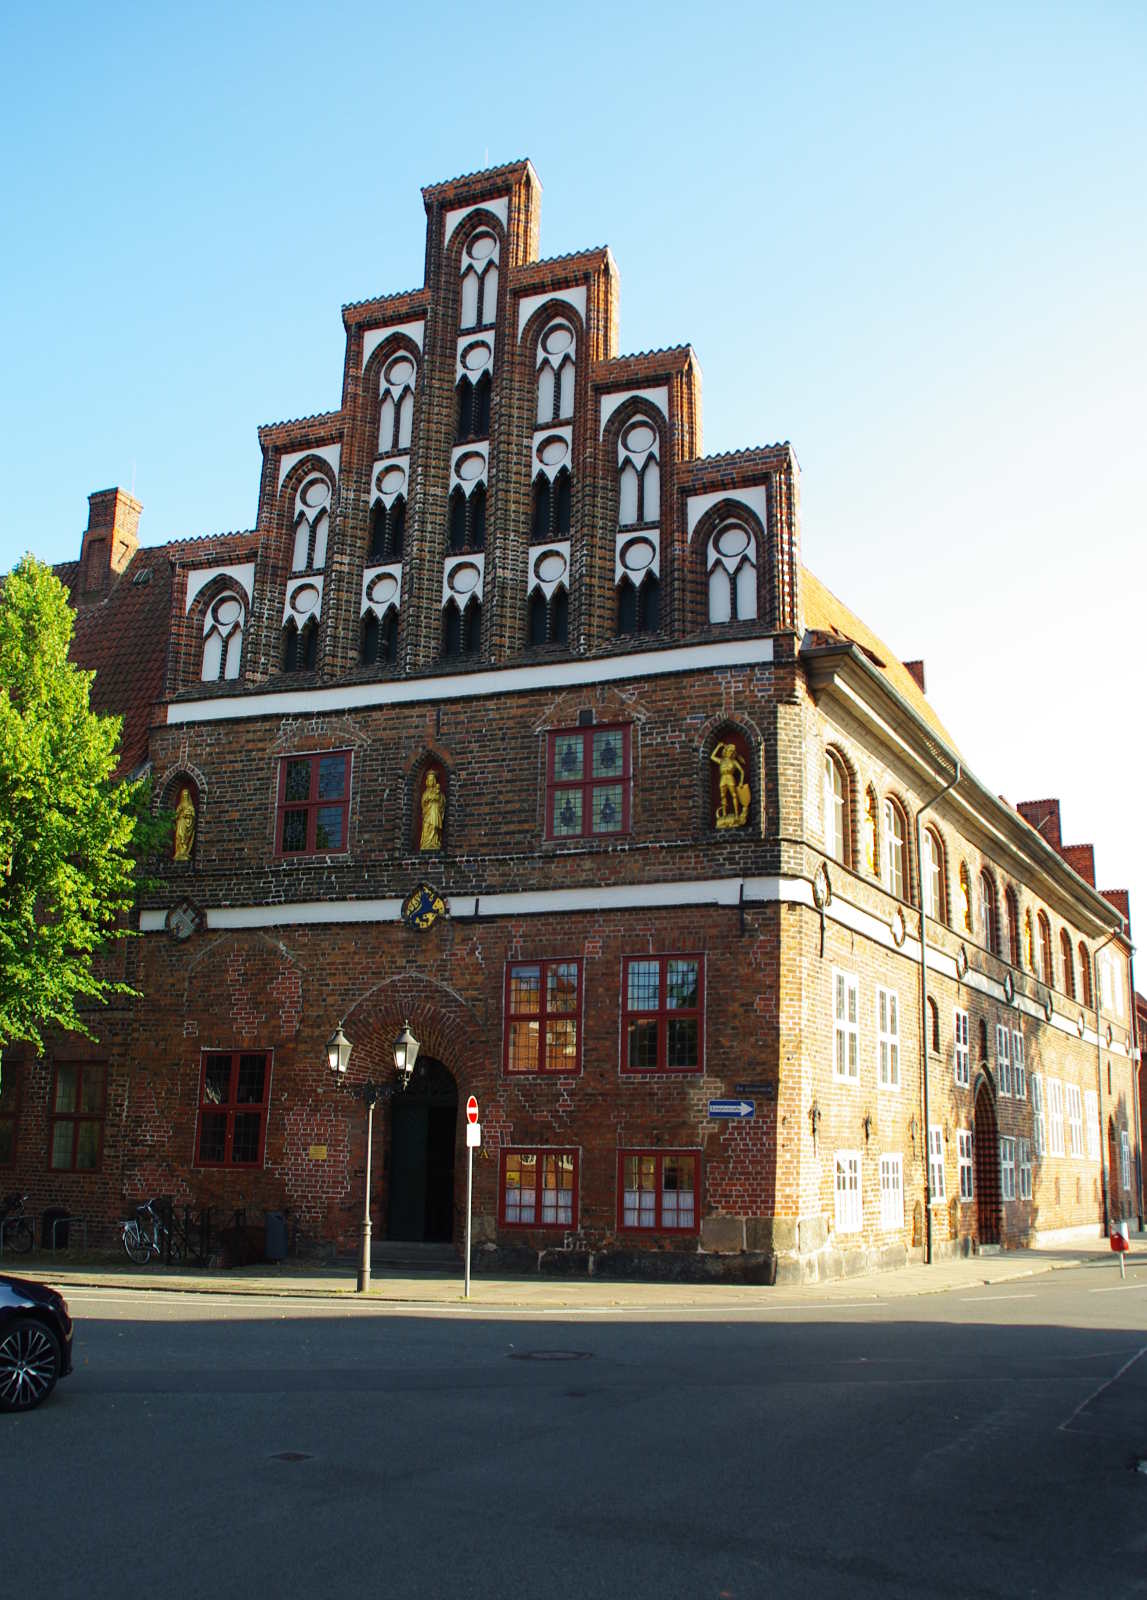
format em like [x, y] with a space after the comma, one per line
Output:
[16, 1231]
[147, 1234]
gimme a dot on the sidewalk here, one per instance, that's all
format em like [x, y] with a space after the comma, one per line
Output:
[445, 1290]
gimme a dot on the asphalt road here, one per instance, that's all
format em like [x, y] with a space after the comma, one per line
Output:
[968, 1444]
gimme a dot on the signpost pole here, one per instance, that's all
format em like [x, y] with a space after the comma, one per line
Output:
[469, 1193]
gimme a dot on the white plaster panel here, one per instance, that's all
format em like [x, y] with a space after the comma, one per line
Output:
[452, 573]
[387, 465]
[754, 496]
[658, 397]
[634, 536]
[373, 337]
[330, 453]
[529, 303]
[550, 675]
[479, 448]
[465, 340]
[561, 430]
[309, 582]
[385, 594]
[544, 573]
[499, 208]
[243, 576]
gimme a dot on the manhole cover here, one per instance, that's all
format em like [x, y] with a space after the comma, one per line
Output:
[292, 1455]
[550, 1355]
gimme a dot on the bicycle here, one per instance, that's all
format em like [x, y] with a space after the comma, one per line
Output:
[16, 1231]
[147, 1234]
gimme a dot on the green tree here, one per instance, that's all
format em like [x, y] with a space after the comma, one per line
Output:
[70, 835]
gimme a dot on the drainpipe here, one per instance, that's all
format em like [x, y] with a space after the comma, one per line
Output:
[1118, 932]
[927, 806]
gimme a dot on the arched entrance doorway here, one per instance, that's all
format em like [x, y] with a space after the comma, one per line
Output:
[423, 1132]
[986, 1145]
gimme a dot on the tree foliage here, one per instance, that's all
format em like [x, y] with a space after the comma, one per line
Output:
[69, 834]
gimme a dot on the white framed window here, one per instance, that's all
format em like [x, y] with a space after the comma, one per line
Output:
[936, 1186]
[888, 1018]
[1039, 1126]
[1055, 1117]
[1007, 1169]
[848, 1200]
[1074, 1119]
[963, 1060]
[1091, 1122]
[1024, 1151]
[891, 1192]
[1106, 984]
[964, 1158]
[894, 849]
[1019, 1075]
[1003, 1060]
[1125, 1159]
[846, 1026]
[834, 802]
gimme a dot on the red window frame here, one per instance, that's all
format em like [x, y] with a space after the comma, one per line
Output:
[9, 1114]
[82, 1114]
[549, 1020]
[583, 786]
[314, 804]
[662, 1016]
[654, 1161]
[540, 1154]
[227, 1108]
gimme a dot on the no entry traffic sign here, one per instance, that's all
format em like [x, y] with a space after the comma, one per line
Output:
[471, 1109]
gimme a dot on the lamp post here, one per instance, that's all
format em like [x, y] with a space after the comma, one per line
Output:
[405, 1049]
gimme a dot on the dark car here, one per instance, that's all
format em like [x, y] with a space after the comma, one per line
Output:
[35, 1342]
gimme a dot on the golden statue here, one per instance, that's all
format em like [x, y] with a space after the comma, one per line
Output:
[733, 790]
[870, 831]
[966, 896]
[433, 813]
[184, 826]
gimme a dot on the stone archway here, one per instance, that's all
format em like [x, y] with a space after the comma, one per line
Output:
[986, 1146]
[420, 1169]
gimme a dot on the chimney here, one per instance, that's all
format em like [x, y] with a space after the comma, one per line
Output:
[1121, 900]
[1081, 858]
[1044, 818]
[111, 538]
[916, 668]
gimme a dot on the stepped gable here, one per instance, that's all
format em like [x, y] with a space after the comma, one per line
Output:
[825, 614]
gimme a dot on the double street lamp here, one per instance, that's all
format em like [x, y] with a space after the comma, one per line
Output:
[405, 1049]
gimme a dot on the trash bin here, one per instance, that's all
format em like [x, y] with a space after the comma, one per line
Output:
[275, 1237]
[49, 1217]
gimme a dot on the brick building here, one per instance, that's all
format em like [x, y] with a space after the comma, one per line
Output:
[518, 717]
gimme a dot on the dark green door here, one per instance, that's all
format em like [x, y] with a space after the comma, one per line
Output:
[423, 1132]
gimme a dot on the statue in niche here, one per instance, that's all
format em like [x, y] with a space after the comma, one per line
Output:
[966, 897]
[184, 826]
[870, 831]
[733, 792]
[433, 812]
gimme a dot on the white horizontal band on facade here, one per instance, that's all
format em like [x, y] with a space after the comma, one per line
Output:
[726, 892]
[474, 685]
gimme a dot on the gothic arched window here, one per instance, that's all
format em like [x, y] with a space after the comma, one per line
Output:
[732, 570]
[223, 628]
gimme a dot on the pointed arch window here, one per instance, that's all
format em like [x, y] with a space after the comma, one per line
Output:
[396, 403]
[379, 638]
[835, 808]
[300, 646]
[479, 280]
[467, 523]
[732, 569]
[461, 628]
[551, 512]
[547, 620]
[895, 850]
[639, 473]
[473, 409]
[311, 524]
[1067, 963]
[223, 628]
[989, 919]
[932, 873]
[1085, 987]
[557, 350]
[1043, 951]
[1012, 915]
[639, 605]
[387, 529]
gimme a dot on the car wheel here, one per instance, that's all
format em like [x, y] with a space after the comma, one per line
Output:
[29, 1365]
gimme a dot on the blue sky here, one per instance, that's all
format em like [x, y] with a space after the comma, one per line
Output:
[912, 240]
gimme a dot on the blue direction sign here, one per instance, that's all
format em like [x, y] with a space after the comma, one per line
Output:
[740, 1109]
